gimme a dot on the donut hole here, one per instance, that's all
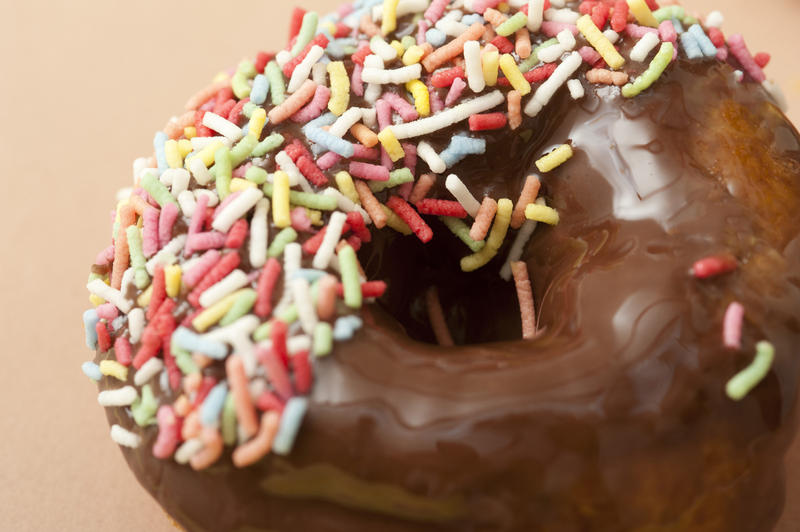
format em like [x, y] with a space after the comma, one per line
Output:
[479, 307]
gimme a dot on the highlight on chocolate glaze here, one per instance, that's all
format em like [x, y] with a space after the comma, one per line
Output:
[245, 253]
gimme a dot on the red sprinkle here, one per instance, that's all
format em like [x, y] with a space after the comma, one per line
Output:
[445, 78]
[296, 22]
[368, 289]
[122, 348]
[262, 58]
[277, 373]
[320, 40]
[237, 234]
[173, 371]
[652, 4]
[236, 111]
[358, 226]
[200, 129]
[533, 76]
[159, 293]
[103, 338]
[223, 95]
[487, 121]
[713, 266]
[269, 401]
[619, 20]
[586, 7]
[503, 45]
[407, 213]
[226, 265]
[301, 367]
[762, 59]
[342, 30]
[716, 36]
[277, 334]
[600, 14]
[361, 54]
[297, 149]
[440, 207]
[354, 242]
[266, 284]
[311, 171]
[224, 108]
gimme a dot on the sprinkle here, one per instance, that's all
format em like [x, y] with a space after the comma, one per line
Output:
[303, 70]
[691, 46]
[291, 419]
[315, 107]
[438, 207]
[236, 209]
[653, 72]
[455, 92]
[124, 396]
[600, 42]
[205, 94]
[92, 370]
[483, 122]
[513, 74]
[172, 280]
[448, 117]
[112, 295]
[390, 143]
[522, 45]
[222, 126]
[168, 432]
[332, 234]
[473, 67]
[135, 324]
[642, 13]
[265, 287]
[606, 77]
[525, 296]
[277, 84]
[395, 76]
[370, 171]
[739, 50]
[462, 195]
[437, 319]
[256, 448]
[483, 220]
[705, 44]
[364, 135]
[747, 379]
[245, 410]
[330, 142]
[307, 31]
[219, 271]
[445, 78]
[323, 339]
[389, 23]
[453, 48]
[259, 231]
[541, 213]
[233, 281]
[281, 240]
[619, 18]
[514, 109]
[410, 217]
[490, 63]
[713, 266]
[494, 241]
[293, 103]
[187, 450]
[732, 326]
[645, 45]
[112, 368]
[517, 22]
[156, 189]
[348, 264]
[124, 437]
[147, 371]
[280, 200]
[419, 91]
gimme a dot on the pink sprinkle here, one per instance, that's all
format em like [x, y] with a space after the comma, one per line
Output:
[406, 111]
[107, 312]
[150, 237]
[436, 101]
[328, 160]
[637, 32]
[300, 220]
[241, 170]
[589, 54]
[551, 29]
[169, 430]
[193, 275]
[436, 10]
[206, 240]
[479, 6]
[722, 53]
[196, 223]
[739, 50]
[666, 31]
[423, 27]
[277, 373]
[355, 83]
[369, 171]
[105, 257]
[362, 152]
[315, 107]
[410, 159]
[224, 203]
[455, 92]
[142, 193]
[165, 222]
[122, 350]
[732, 326]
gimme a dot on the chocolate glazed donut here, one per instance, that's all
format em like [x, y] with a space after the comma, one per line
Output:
[615, 417]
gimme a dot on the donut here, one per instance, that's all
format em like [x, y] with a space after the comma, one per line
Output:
[462, 266]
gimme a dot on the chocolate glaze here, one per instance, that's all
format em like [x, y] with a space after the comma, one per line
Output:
[616, 417]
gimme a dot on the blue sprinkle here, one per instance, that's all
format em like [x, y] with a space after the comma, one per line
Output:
[308, 274]
[212, 406]
[291, 419]
[330, 142]
[90, 319]
[355, 321]
[342, 330]
[435, 37]
[258, 94]
[186, 339]
[118, 322]
[708, 48]
[161, 154]
[678, 25]
[92, 370]
[324, 120]
[461, 146]
[690, 46]
[472, 18]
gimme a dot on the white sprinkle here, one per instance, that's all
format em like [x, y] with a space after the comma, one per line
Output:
[558, 3]
[551, 53]
[302, 71]
[149, 369]
[518, 246]
[283, 57]
[382, 49]
[715, 19]
[535, 14]
[333, 232]
[136, 324]
[644, 46]
[462, 194]
[237, 334]
[301, 293]
[295, 177]
[450, 27]
[373, 90]
[222, 126]
[566, 39]
[112, 295]
[199, 171]
[547, 89]
[259, 233]
[298, 343]
[426, 152]
[472, 64]
[124, 437]
[127, 280]
[369, 116]
[188, 449]
[213, 199]
[346, 204]
[233, 281]
[395, 76]
[175, 178]
[575, 89]
[348, 119]
[450, 116]
[187, 203]
[404, 7]
[611, 35]
[198, 143]
[167, 255]
[565, 16]
[237, 208]
[319, 73]
[124, 396]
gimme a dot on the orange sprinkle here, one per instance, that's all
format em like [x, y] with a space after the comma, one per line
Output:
[139, 205]
[182, 406]
[527, 310]
[454, 48]
[490, 34]
[252, 451]
[427, 49]
[422, 187]
[483, 220]
[369, 27]
[370, 204]
[293, 103]
[494, 17]
[191, 425]
[528, 195]
[205, 94]
[326, 299]
[245, 411]
[606, 77]
[211, 451]
[364, 135]
[436, 317]
[174, 128]
[523, 44]
[202, 361]
[514, 109]
[127, 217]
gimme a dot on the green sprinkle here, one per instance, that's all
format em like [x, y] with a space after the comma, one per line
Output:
[348, 264]
[747, 379]
[461, 230]
[528, 64]
[184, 360]
[156, 188]
[262, 332]
[240, 80]
[248, 109]
[323, 339]
[222, 163]
[244, 302]
[268, 144]
[653, 72]
[277, 86]
[320, 202]
[289, 314]
[669, 12]
[138, 262]
[512, 25]
[397, 177]
[256, 174]
[408, 41]
[307, 31]
[243, 150]
[229, 420]
[144, 408]
[286, 236]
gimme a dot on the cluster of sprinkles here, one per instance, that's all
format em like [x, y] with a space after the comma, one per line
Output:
[233, 265]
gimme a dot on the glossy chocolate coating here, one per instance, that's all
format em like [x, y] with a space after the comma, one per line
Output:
[616, 417]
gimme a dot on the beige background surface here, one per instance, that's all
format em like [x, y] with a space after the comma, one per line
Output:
[83, 86]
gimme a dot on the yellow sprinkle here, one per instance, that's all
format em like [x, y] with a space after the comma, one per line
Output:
[541, 213]
[174, 159]
[144, 298]
[422, 99]
[172, 278]
[555, 158]
[340, 88]
[330, 26]
[215, 312]
[600, 42]
[395, 222]
[184, 147]
[413, 55]
[207, 154]
[238, 184]
[96, 300]
[514, 76]
[190, 132]
[257, 121]
[280, 200]
[490, 61]
[112, 368]
[391, 144]
[389, 23]
[495, 240]
[314, 216]
[398, 47]
[642, 13]
[345, 183]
